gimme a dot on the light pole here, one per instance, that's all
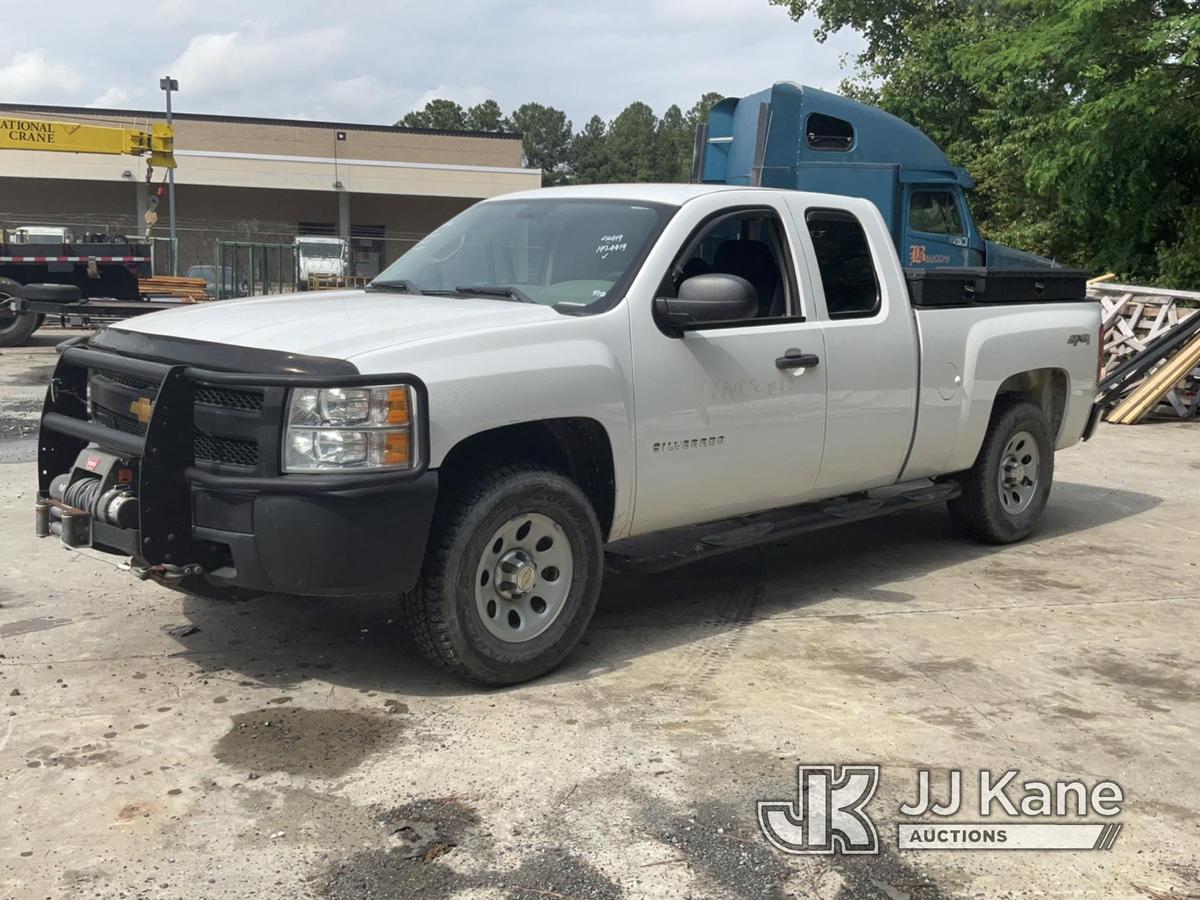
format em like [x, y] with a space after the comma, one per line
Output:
[169, 84]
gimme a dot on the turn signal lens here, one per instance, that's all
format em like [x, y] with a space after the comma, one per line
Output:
[396, 449]
[381, 437]
[397, 412]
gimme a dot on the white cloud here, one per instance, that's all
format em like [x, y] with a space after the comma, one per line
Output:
[285, 58]
[707, 13]
[255, 60]
[354, 98]
[30, 76]
[112, 97]
[463, 95]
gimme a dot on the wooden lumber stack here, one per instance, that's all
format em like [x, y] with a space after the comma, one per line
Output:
[1167, 378]
[1134, 317]
[187, 289]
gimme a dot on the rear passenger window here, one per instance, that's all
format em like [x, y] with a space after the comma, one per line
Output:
[845, 263]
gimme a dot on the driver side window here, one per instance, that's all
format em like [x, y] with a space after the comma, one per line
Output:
[934, 212]
[748, 244]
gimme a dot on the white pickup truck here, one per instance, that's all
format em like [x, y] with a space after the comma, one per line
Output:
[638, 375]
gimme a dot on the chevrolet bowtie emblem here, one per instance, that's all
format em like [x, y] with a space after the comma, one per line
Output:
[142, 407]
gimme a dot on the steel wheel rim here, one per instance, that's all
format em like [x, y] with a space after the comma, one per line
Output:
[523, 578]
[1018, 475]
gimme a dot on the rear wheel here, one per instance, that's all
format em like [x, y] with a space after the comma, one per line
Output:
[15, 328]
[1005, 492]
[511, 577]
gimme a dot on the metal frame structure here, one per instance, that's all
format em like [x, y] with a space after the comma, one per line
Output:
[257, 259]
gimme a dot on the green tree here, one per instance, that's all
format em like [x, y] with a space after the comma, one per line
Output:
[589, 160]
[698, 114]
[672, 147]
[632, 145]
[444, 115]
[485, 116]
[545, 136]
[1078, 118]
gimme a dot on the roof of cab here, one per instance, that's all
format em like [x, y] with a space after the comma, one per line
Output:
[671, 194]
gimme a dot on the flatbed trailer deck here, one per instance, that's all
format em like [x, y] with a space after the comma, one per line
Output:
[95, 308]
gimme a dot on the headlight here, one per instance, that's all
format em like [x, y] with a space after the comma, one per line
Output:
[350, 428]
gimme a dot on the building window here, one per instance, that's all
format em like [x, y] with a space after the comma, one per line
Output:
[845, 263]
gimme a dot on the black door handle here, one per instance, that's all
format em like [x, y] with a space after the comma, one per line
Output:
[794, 359]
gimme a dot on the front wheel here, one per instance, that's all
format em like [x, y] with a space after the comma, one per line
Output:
[1004, 493]
[511, 577]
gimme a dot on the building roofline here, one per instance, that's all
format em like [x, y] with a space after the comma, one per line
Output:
[159, 115]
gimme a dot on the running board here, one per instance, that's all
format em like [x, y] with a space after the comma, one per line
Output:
[678, 546]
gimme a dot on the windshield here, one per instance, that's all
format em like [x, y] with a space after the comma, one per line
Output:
[571, 253]
[314, 248]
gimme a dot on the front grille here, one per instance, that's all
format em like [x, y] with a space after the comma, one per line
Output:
[205, 447]
[205, 394]
[117, 421]
[228, 451]
[130, 381]
[228, 398]
[229, 439]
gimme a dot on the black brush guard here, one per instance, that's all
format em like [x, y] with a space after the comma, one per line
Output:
[350, 534]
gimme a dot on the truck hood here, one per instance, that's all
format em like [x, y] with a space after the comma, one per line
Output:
[338, 324]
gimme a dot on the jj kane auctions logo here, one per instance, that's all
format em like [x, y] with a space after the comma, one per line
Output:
[829, 813]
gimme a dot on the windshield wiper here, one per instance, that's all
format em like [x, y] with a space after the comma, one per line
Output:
[400, 285]
[495, 290]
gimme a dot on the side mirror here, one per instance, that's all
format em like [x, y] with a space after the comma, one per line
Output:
[706, 299]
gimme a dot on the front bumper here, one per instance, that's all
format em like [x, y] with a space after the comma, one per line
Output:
[237, 524]
[319, 543]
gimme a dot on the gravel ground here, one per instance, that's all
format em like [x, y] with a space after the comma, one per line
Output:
[154, 745]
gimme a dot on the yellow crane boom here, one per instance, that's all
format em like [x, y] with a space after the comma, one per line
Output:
[75, 137]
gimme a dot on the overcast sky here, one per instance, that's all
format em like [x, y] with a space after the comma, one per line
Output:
[372, 61]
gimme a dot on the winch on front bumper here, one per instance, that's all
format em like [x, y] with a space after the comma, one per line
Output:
[178, 466]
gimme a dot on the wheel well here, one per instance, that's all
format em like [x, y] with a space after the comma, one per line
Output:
[578, 448]
[1045, 388]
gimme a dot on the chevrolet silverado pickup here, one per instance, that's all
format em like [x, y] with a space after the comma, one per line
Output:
[558, 382]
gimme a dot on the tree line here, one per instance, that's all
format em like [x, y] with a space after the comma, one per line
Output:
[1079, 119]
[637, 145]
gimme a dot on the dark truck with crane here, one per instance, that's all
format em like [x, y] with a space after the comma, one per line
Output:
[45, 274]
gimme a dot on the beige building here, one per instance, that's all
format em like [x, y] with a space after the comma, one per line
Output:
[264, 180]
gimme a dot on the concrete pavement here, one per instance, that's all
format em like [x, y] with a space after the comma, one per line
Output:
[153, 745]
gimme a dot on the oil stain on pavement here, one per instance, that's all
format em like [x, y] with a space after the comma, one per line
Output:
[324, 743]
[438, 826]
